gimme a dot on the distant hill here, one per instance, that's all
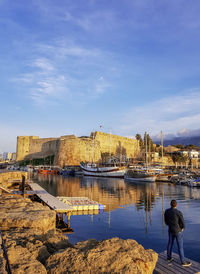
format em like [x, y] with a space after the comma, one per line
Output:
[182, 140]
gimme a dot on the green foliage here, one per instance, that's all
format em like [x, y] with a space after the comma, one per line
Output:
[180, 146]
[179, 158]
[38, 161]
[105, 157]
[191, 146]
[139, 138]
[149, 142]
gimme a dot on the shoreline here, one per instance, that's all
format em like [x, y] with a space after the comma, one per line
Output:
[34, 245]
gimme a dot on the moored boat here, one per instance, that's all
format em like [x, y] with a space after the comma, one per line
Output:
[140, 175]
[47, 170]
[91, 169]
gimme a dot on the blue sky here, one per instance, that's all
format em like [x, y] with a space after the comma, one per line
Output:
[67, 67]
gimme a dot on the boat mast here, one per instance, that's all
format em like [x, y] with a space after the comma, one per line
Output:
[161, 145]
[110, 146]
[146, 150]
[93, 148]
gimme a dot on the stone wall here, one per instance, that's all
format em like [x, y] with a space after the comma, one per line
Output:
[71, 150]
[43, 147]
[31, 147]
[121, 147]
[23, 146]
[7, 176]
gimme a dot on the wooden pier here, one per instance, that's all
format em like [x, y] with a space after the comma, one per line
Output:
[50, 200]
[175, 267]
[62, 210]
[66, 206]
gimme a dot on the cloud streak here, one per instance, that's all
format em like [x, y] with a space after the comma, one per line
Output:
[64, 71]
[170, 114]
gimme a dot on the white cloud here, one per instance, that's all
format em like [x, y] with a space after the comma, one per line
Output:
[43, 64]
[171, 114]
[64, 70]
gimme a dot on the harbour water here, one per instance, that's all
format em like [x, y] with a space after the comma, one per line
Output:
[133, 210]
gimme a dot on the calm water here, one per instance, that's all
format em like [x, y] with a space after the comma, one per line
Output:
[133, 210]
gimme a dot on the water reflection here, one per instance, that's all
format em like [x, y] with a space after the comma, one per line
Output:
[115, 193]
[133, 210]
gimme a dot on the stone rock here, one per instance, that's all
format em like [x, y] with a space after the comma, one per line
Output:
[2, 263]
[28, 267]
[108, 256]
[16, 212]
[28, 249]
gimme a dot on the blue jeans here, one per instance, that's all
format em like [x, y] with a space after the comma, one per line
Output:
[179, 241]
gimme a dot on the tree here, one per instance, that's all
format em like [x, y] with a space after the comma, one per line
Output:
[179, 158]
[148, 141]
[180, 146]
[139, 138]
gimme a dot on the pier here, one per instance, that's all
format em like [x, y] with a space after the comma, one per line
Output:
[65, 206]
[175, 267]
[50, 200]
[81, 203]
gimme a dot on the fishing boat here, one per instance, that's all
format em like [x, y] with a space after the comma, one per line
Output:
[47, 170]
[140, 174]
[92, 169]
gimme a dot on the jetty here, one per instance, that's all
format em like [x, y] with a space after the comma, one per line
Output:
[49, 199]
[81, 203]
[174, 267]
[65, 206]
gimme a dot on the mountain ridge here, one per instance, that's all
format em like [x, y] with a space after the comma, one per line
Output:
[194, 140]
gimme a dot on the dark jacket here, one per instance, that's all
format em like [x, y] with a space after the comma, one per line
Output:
[174, 220]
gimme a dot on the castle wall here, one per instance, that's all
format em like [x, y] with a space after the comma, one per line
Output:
[71, 150]
[120, 147]
[44, 147]
[30, 147]
[23, 146]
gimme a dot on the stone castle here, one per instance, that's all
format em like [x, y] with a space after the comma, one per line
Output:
[70, 150]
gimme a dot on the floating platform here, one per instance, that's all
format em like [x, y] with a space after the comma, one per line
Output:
[50, 200]
[163, 267]
[81, 203]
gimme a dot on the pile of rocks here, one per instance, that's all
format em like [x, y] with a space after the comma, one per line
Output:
[34, 245]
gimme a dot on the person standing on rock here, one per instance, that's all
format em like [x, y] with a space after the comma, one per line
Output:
[175, 222]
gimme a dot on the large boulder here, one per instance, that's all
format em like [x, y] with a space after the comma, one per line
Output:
[18, 212]
[28, 249]
[108, 256]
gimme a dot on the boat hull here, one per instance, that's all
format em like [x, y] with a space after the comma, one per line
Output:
[140, 179]
[113, 172]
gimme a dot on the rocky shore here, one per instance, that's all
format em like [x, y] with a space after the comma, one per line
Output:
[34, 245]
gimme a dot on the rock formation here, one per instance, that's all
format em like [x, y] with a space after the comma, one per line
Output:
[108, 256]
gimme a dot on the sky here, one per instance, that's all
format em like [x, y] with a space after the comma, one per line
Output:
[120, 66]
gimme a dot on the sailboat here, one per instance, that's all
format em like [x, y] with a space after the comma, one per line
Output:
[143, 174]
[92, 169]
[103, 170]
